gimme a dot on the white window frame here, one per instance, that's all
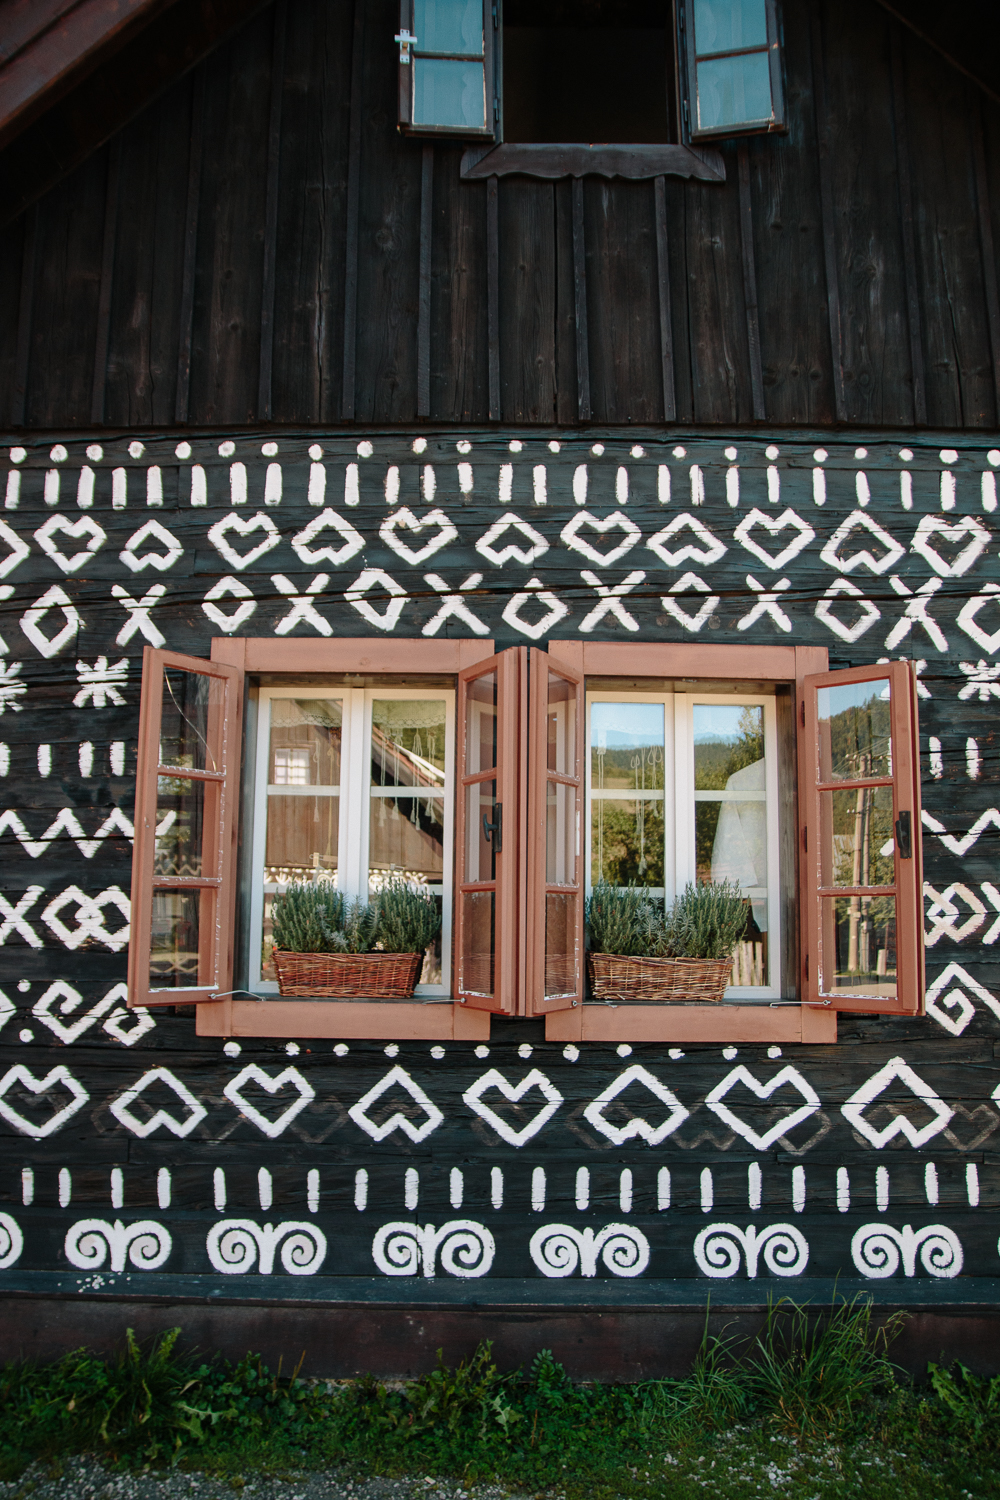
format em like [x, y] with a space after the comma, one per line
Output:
[355, 794]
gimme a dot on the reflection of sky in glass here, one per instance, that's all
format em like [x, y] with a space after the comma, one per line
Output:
[851, 695]
[724, 25]
[717, 721]
[625, 726]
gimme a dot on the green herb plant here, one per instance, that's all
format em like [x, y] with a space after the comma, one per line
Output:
[705, 921]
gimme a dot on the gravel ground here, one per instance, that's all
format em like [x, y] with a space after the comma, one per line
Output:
[85, 1479]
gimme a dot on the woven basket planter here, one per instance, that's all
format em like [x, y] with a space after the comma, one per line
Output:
[364, 976]
[627, 978]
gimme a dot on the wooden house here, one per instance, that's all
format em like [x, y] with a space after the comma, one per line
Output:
[514, 444]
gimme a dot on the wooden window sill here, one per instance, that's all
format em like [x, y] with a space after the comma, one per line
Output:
[692, 1023]
[392, 1020]
[635, 162]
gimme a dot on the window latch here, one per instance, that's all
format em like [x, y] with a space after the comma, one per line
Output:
[493, 832]
[406, 40]
[904, 842]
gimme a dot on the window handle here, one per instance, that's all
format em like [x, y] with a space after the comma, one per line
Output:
[406, 40]
[903, 836]
[493, 832]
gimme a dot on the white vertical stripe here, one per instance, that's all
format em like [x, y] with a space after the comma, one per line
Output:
[117, 1188]
[538, 1189]
[773, 484]
[506, 486]
[819, 487]
[580, 484]
[119, 489]
[496, 1187]
[392, 484]
[972, 1184]
[861, 489]
[621, 486]
[663, 484]
[625, 1191]
[312, 1190]
[317, 484]
[663, 1189]
[882, 1189]
[65, 1187]
[798, 1189]
[754, 1181]
[411, 1188]
[361, 1190]
[265, 1192]
[14, 490]
[582, 1188]
[733, 485]
[697, 485]
[163, 1187]
[238, 483]
[85, 488]
[707, 1190]
[948, 490]
[199, 485]
[44, 760]
[85, 757]
[219, 1189]
[843, 1190]
[456, 1187]
[52, 487]
[988, 491]
[465, 479]
[272, 485]
[27, 1186]
[931, 1184]
[906, 490]
[538, 480]
[154, 485]
[937, 759]
[972, 762]
[352, 486]
[429, 482]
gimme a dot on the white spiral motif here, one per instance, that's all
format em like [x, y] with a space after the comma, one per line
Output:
[11, 1241]
[720, 1250]
[466, 1248]
[397, 1249]
[144, 1244]
[303, 1248]
[878, 1249]
[236, 1246]
[232, 1246]
[560, 1249]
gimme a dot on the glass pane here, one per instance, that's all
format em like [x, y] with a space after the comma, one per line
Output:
[406, 834]
[855, 738]
[859, 946]
[478, 919]
[191, 705]
[173, 957]
[302, 834]
[731, 844]
[751, 957]
[449, 93]
[626, 745]
[727, 739]
[480, 804]
[305, 741]
[560, 731]
[268, 973]
[180, 826]
[734, 91]
[561, 956]
[857, 832]
[728, 25]
[562, 835]
[408, 742]
[626, 841]
[481, 724]
[449, 25]
[432, 971]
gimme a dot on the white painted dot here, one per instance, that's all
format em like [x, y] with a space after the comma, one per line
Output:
[729, 1053]
[771, 451]
[949, 456]
[227, 449]
[232, 1049]
[315, 453]
[993, 456]
[18, 455]
[774, 1051]
[24, 985]
[680, 452]
[365, 449]
[463, 445]
[341, 1049]
[269, 449]
[136, 449]
[861, 453]
[524, 1050]
[515, 445]
[392, 1050]
[906, 454]
[637, 451]
[183, 450]
[731, 454]
[58, 454]
[482, 1051]
[292, 1049]
[624, 1050]
[437, 1052]
[419, 445]
[820, 456]
[675, 1053]
[571, 1053]
[554, 447]
[95, 453]
[26, 1036]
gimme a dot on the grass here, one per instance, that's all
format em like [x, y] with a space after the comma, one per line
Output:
[813, 1407]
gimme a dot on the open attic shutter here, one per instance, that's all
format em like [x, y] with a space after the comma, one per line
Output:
[488, 832]
[187, 785]
[860, 850]
[446, 68]
[553, 856]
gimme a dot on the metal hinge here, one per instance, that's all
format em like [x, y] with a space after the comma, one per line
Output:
[406, 40]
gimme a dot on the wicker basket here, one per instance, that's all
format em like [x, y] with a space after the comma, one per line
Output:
[627, 978]
[368, 976]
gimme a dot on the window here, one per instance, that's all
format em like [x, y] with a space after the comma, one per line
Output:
[508, 784]
[592, 72]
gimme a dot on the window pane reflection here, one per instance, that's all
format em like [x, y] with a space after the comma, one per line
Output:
[855, 738]
[859, 946]
[857, 833]
[302, 837]
[734, 91]
[446, 93]
[478, 917]
[560, 726]
[626, 841]
[173, 957]
[480, 803]
[305, 742]
[180, 825]
[560, 834]
[561, 956]
[406, 834]
[192, 705]
[728, 25]
[481, 724]
[449, 25]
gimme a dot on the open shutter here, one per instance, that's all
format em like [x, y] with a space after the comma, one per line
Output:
[185, 830]
[486, 832]
[554, 858]
[860, 851]
[730, 52]
[446, 68]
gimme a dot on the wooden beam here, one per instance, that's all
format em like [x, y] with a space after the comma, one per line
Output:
[22, 354]
[493, 293]
[826, 205]
[750, 283]
[183, 395]
[424, 296]
[271, 214]
[905, 179]
[347, 395]
[583, 407]
[99, 384]
[663, 284]
[986, 245]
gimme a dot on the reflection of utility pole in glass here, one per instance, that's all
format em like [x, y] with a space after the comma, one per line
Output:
[602, 748]
[858, 932]
[648, 757]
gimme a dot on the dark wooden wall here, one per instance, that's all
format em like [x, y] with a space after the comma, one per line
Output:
[197, 269]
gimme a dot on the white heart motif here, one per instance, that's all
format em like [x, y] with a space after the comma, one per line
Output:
[617, 521]
[161, 561]
[353, 542]
[59, 1075]
[493, 1079]
[774, 525]
[950, 531]
[787, 1075]
[271, 1128]
[85, 527]
[404, 517]
[235, 523]
[710, 550]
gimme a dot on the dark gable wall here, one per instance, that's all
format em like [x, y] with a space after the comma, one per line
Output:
[163, 241]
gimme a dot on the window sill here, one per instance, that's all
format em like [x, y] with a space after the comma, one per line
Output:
[394, 1020]
[692, 1023]
[635, 162]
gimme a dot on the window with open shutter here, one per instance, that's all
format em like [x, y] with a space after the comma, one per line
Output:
[731, 52]
[446, 68]
[185, 830]
[860, 832]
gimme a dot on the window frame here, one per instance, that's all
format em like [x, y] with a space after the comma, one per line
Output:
[687, 78]
[411, 51]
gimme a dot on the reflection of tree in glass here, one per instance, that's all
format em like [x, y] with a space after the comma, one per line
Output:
[716, 760]
[859, 739]
[618, 853]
